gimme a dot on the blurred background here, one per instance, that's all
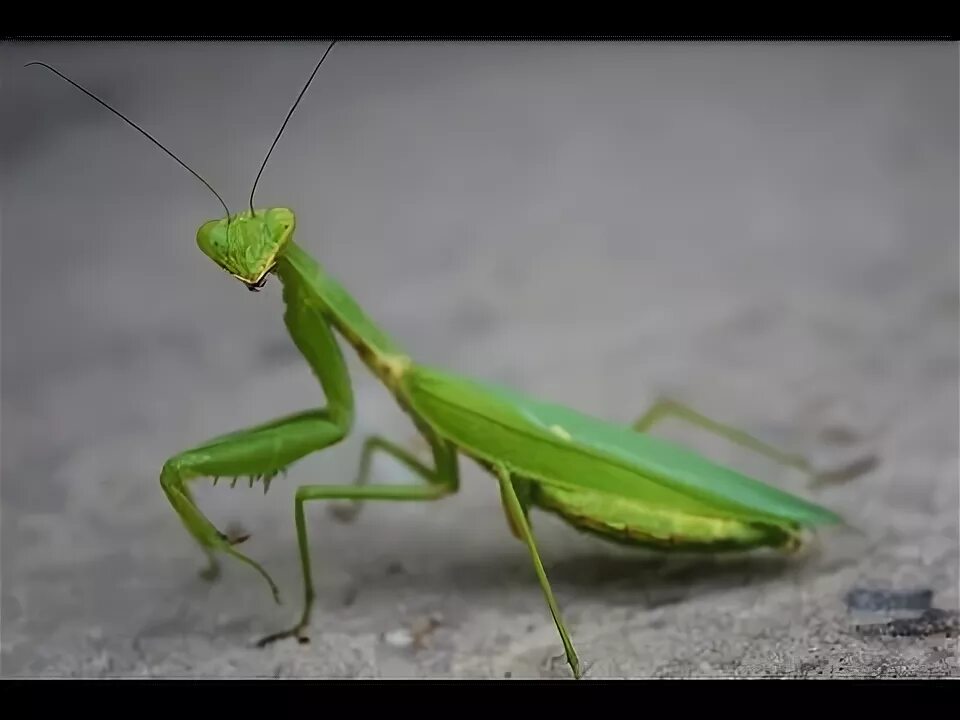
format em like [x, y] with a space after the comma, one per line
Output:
[767, 232]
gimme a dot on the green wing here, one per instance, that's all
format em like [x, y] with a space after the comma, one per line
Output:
[560, 446]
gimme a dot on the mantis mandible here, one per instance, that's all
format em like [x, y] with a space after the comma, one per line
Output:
[617, 482]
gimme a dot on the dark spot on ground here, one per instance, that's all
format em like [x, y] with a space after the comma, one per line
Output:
[934, 621]
[863, 599]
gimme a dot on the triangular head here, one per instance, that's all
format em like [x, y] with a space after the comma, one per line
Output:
[247, 244]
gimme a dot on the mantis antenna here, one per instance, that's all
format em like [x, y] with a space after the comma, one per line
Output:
[283, 127]
[138, 128]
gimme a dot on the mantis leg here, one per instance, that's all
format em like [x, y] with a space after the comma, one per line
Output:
[266, 449]
[259, 452]
[665, 407]
[347, 513]
[441, 481]
[519, 521]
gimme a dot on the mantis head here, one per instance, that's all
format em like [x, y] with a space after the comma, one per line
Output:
[247, 244]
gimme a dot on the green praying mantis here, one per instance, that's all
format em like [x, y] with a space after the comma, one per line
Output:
[617, 482]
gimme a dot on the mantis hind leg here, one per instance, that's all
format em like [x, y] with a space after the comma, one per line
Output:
[442, 480]
[521, 527]
[666, 407]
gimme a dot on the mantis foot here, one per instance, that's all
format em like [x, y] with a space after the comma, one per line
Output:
[848, 472]
[296, 631]
[235, 536]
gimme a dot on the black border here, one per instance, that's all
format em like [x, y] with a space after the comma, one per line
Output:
[543, 37]
[579, 699]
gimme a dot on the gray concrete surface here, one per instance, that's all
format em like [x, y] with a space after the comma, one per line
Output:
[768, 232]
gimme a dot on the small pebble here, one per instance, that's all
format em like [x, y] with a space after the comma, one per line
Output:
[424, 627]
[399, 638]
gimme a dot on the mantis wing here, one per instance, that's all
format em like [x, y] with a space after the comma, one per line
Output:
[559, 446]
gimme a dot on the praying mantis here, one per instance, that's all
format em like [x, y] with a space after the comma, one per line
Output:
[615, 481]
